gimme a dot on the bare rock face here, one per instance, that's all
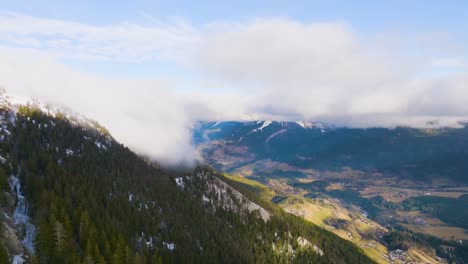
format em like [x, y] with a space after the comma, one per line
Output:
[10, 239]
[318, 250]
[232, 199]
[302, 242]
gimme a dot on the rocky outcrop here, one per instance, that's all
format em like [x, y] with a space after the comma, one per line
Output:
[304, 243]
[232, 199]
[220, 194]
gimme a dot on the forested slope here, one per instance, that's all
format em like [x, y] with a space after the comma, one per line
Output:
[92, 200]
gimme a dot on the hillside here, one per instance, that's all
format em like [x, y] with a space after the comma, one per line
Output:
[71, 194]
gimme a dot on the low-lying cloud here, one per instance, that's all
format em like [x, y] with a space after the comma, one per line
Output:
[142, 114]
[324, 71]
[271, 68]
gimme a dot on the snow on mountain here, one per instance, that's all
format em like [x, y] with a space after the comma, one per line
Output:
[216, 124]
[276, 134]
[13, 104]
[264, 125]
[21, 215]
[305, 124]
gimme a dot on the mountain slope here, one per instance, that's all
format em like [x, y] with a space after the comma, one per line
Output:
[72, 194]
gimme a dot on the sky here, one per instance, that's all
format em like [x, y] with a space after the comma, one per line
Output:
[148, 69]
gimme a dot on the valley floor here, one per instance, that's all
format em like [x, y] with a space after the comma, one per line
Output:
[305, 197]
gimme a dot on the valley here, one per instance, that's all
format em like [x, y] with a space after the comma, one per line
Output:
[365, 205]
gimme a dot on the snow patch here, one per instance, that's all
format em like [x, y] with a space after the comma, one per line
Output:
[100, 145]
[205, 199]
[216, 124]
[18, 259]
[180, 182]
[276, 134]
[305, 124]
[264, 125]
[69, 152]
[149, 243]
[169, 246]
[21, 217]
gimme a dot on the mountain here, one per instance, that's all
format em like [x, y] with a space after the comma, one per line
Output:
[424, 155]
[70, 193]
[399, 194]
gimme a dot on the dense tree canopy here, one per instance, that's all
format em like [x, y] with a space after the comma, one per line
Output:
[95, 201]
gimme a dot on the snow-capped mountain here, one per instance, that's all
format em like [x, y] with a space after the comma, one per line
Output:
[264, 130]
[417, 153]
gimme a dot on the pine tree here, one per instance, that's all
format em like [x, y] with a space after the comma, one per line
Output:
[3, 254]
[59, 235]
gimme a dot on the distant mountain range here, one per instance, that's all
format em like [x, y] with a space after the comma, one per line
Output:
[429, 156]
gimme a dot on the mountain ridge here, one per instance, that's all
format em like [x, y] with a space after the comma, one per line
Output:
[420, 154]
[102, 203]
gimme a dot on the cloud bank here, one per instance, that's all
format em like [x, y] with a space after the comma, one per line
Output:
[141, 114]
[325, 71]
[269, 68]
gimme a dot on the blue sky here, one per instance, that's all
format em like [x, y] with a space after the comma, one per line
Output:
[368, 19]
[366, 15]
[156, 66]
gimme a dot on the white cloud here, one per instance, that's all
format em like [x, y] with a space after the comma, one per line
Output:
[325, 71]
[272, 68]
[142, 114]
[121, 42]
